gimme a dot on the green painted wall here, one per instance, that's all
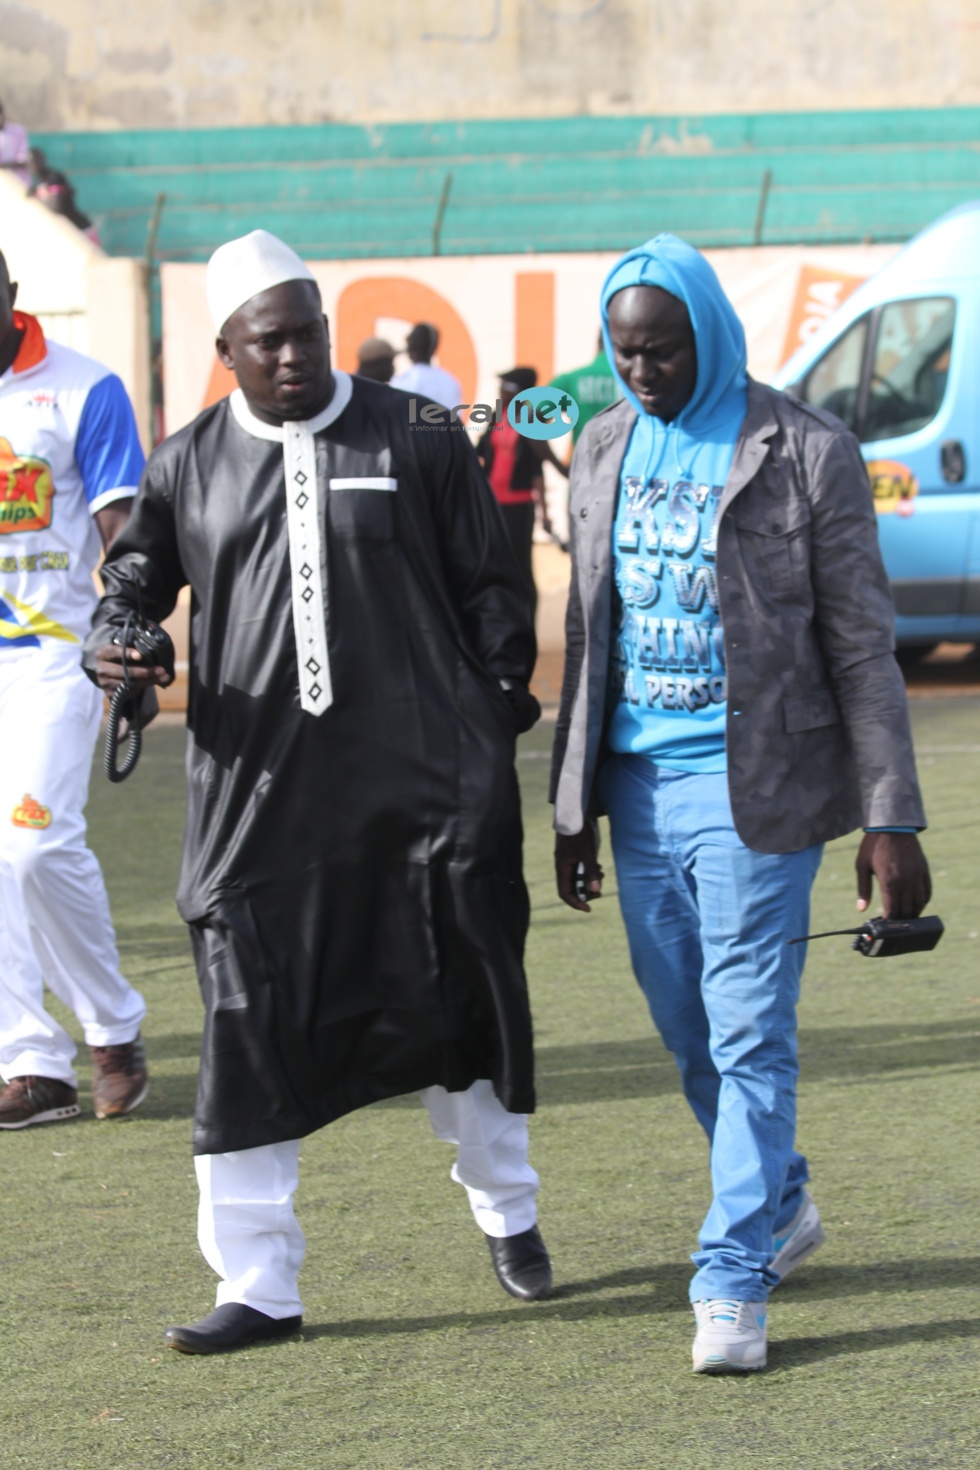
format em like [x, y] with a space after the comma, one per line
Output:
[561, 184]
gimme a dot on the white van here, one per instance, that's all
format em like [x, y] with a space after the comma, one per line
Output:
[899, 364]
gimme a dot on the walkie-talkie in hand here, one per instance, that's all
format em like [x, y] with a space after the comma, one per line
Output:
[157, 650]
[879, 938]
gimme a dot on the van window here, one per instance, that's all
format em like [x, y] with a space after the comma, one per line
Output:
[834, 383]
[909, 367]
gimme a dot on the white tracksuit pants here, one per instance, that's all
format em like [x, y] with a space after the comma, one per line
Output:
[250, 1236]
[54, 911]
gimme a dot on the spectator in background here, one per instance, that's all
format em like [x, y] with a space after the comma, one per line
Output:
[422, 377]
[593, 387]
[513, 467]
[15, 153]
[39, 166]
[376, 360]
[53, 189]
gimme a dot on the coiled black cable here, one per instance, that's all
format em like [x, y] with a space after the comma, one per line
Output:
[123, 702]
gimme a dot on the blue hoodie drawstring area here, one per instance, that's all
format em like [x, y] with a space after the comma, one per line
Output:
[667, 694]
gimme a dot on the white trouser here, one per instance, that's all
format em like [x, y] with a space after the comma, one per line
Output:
[250, 1236]
[54, 912]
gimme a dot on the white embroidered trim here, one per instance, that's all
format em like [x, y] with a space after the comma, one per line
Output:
[303, 527]
[305, 570]
[342, 390]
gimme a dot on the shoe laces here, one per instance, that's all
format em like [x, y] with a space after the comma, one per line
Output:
[721, 1310]
[125, 1057]
[35, 1091]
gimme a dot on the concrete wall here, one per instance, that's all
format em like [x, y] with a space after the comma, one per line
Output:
[119, 328]
[84, 298]
[107, 64]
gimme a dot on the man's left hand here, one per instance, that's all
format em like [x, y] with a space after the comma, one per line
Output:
[109, 669]
[899, 864]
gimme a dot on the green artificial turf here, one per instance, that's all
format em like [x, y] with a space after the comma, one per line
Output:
[411, 1355]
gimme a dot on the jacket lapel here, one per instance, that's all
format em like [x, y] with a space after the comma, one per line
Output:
[605, 462]
[606, 458]
[752, 445]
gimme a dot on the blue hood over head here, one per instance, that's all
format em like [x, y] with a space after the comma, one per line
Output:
[665, 531]
[674, 266]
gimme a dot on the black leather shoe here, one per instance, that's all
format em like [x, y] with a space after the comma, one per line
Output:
[232, 1326]
[521, 1264]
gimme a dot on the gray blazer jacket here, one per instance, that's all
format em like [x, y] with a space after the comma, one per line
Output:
[817, 732]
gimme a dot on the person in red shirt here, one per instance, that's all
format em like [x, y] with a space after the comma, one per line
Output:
[513, 466]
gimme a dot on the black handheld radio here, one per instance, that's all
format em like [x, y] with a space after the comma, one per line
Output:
[157, 648]
[879, 938]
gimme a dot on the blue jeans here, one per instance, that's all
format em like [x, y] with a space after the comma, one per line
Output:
[707, 920]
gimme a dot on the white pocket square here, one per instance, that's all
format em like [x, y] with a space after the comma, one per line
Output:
[368, 482]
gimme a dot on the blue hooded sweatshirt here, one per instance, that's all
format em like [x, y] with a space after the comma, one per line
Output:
[667, 690]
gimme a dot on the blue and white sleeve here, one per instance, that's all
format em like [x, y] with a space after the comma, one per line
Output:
[107, 447]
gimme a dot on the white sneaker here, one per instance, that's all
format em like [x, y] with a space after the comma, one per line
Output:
[731, 1336]
[803, 1235]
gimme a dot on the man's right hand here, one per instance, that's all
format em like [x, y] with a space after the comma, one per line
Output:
[572, 853]
[109, 669]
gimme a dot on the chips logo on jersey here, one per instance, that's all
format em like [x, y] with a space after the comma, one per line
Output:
[26, 491]
[31, 813]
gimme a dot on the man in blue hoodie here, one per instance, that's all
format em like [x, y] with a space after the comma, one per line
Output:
[731, 700]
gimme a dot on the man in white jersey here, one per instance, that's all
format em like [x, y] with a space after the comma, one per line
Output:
[70, 460]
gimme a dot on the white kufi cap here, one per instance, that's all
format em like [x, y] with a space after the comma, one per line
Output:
[244, 267]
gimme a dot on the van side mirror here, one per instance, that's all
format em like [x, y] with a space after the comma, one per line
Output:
[952, 457]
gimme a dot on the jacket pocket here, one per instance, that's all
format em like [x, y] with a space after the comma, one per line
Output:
[810, 711]
[776, 543]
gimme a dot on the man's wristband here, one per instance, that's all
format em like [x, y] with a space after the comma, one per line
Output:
[913, 830]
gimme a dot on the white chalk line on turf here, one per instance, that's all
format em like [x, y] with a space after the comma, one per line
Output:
[948, 749]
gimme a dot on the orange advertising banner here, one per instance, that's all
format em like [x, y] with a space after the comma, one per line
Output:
[819, 293]
[495, 312]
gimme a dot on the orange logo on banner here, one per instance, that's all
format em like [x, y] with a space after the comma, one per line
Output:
[359, 307]
[31, 813]
[221, 382]
[364, 301]
[534, 322]
[26, 491]
[893, 487]
[818, 295]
